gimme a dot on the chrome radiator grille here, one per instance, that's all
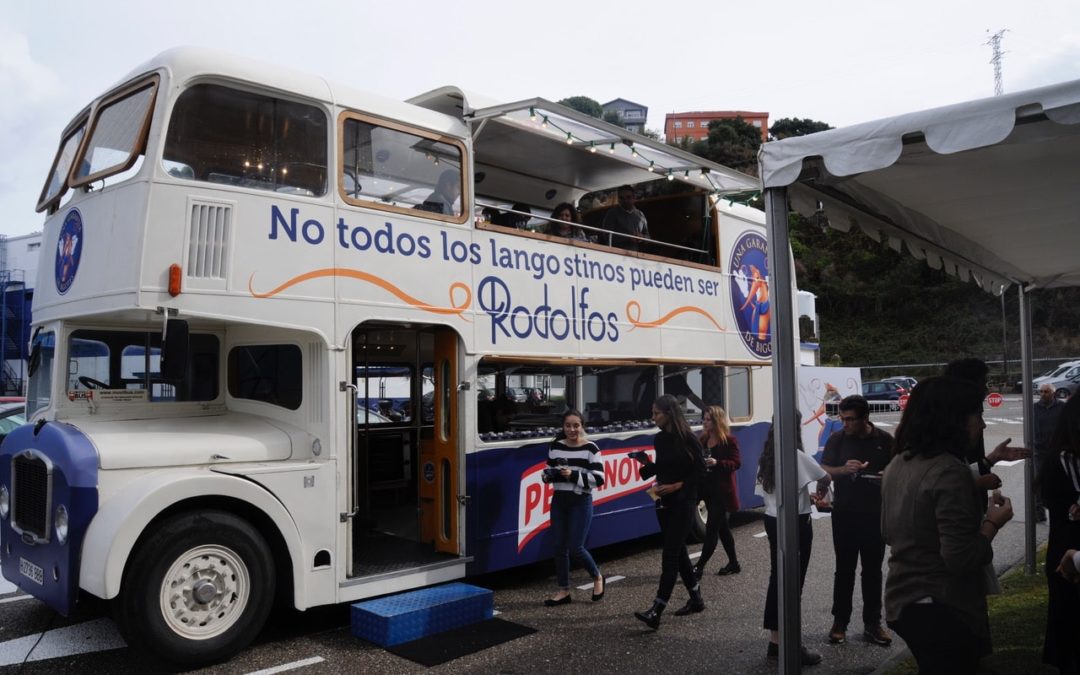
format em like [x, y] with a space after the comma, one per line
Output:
[31, 485]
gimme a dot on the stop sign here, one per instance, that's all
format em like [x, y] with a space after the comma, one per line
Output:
[903, 401]
[995, 400]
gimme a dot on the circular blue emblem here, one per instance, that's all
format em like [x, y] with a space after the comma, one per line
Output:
[749, 270]
[68, 251]
[429, 472]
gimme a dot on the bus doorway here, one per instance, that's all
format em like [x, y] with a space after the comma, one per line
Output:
[405, 457]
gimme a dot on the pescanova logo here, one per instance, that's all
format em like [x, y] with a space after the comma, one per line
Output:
[750, 292]
[622, 476]
[68, 251]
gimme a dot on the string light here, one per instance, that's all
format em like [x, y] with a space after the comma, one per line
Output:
[611, 150]
[670, 176]
[543, 125]
[650, 165]
[592, 148]
[532, 114]
[569, 138]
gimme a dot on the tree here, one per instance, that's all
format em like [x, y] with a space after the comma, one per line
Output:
[731, 142]
[651, 133]
[786, 127]
[583, 104]
[612, 117]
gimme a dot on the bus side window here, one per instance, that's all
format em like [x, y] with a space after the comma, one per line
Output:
[738, 392]
[394, 169]
[268, 373]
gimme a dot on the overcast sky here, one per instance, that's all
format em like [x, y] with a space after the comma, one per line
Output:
[841, 62]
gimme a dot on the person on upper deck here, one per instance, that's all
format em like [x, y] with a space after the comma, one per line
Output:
[517, 217]
[560, 226]
[626, 219]
[445, 197]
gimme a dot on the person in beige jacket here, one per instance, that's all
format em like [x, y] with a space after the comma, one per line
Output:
[935, 595]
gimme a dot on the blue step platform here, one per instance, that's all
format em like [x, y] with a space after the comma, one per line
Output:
[409, 616]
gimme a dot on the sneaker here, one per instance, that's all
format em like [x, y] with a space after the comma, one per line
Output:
[878, 636]
[837, 634]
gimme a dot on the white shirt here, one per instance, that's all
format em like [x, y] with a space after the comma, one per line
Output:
[808, 471]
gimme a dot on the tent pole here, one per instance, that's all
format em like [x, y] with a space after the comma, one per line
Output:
[1027, 399]
[786, 429]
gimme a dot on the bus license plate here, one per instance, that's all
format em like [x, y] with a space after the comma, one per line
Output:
[31, 571]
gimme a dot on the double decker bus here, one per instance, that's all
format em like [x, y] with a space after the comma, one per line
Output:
[297, 341]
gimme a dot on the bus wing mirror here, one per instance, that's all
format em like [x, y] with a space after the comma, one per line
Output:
[174, 350]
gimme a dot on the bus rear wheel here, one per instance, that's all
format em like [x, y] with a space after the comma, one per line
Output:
[698, 522]
[198, 589]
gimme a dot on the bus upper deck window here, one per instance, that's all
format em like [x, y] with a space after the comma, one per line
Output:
[56, 183]
[401, 170]
[232, 137]
[117, 134]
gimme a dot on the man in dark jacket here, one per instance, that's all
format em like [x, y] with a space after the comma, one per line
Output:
[855, 457]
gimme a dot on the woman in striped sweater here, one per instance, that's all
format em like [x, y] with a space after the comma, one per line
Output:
[573, 469]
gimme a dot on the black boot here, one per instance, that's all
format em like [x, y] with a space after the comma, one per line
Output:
[694, 605]
[651, 616]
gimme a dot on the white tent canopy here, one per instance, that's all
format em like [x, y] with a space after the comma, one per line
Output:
[988, 188]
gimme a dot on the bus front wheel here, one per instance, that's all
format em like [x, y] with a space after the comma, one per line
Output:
[198, 589]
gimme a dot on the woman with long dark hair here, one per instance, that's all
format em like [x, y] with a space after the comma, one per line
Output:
[1060, 485]
[721, 495]
[935, 592]
[574, 469]
[807, 472]
[678, 468]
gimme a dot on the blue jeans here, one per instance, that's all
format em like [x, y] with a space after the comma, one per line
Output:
[571, 515]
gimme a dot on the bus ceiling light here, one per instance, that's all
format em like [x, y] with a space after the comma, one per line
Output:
[60, 523]
[174, 280]
[5, 502]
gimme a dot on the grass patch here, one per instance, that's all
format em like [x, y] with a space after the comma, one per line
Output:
[1017, 625]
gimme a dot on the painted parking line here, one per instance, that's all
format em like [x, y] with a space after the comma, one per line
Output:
[83, 638]
[289, 666]
[759, 535]
[15, 598]
[607, 580]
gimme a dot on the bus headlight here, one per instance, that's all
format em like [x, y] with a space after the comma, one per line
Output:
[5, 501]
[60, 522]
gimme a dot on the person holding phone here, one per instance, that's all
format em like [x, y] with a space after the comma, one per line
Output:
[574, 469]
[855, 458]
[678, 468]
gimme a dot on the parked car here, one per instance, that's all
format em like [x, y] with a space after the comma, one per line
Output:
[905, 381]
[12, 416]
[517, 395]
[883, 390]
[1065, 379]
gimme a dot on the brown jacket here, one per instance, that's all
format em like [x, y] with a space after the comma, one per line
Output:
[930, 519]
